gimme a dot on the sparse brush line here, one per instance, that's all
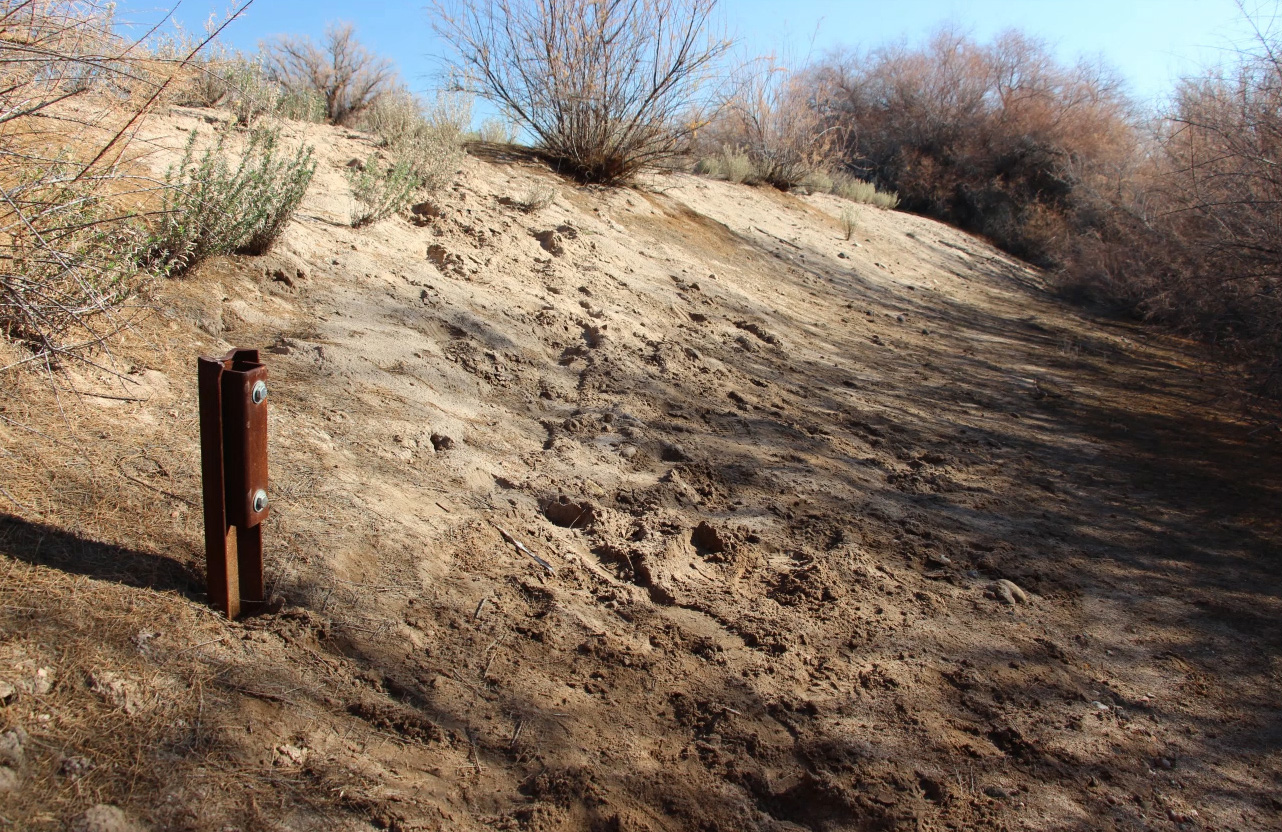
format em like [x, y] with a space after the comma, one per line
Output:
[155, 96]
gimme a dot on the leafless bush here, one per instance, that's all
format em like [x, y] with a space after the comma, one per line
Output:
[1190, 235]
[606, 88]
[347, 76]
[777, 119]
[999, 138]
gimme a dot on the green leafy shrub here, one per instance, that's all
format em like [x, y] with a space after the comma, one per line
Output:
[424, 146]
[381, 190]
[211, 207]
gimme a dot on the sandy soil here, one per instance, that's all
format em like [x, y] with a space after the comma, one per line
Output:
[778, 479]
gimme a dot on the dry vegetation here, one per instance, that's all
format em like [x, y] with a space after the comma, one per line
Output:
[606, 89]
[670, 507]
[347, 76]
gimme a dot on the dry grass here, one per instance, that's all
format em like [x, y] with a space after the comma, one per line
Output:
[101, 596]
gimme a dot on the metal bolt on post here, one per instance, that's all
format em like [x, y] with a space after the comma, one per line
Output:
[233, 455]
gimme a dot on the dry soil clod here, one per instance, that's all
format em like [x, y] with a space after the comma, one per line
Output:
[1009, 593]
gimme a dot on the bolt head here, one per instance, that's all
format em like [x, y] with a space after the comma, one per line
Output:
[258, 394]
[260, 500]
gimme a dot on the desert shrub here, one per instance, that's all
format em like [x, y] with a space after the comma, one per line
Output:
[343, 73]
[606, 89]
[300, 105]
[848, 223]
[731, 164]
[380, 189]
[211, 206]
[711, 167]
[395, 116]
[817, 182]
[67, 259]
[202, 81]
[737, 167]
[536, 199]
[498, 131]
[777, 118]
[67, 238]
[999, 139]
[424, 145]
[857, 190]
[251, 95]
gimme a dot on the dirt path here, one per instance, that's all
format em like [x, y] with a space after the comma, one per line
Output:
[779, 477]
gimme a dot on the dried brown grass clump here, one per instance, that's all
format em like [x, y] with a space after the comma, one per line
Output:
[606, 89]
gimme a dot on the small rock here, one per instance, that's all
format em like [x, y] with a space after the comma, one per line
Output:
[441, 442]
[997, 792]
[43, 682]
[7, 692]
[628, 451]
[843, 255]
[117, 690]
[567, 514]
[11, 747]
[553, 243]
[1008, 592]
[1163, 762]
[290, 755]
[75, 767]
[706, 538]
[356, 164]
[287, 276]
[672, 452]
[426, 210]
[104, 818]
[9, 780]
[939, 559]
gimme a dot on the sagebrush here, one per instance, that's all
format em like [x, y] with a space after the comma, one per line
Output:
[212, 206]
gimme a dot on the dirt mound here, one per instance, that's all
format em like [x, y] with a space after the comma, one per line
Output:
[660, 509]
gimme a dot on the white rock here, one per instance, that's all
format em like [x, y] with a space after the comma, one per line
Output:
[104, 818]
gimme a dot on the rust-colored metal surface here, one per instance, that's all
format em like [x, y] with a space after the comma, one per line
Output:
[233, 453]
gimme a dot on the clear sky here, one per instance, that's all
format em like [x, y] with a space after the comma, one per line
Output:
[1150, 42]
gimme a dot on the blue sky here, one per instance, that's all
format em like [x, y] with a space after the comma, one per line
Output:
[1150, 42]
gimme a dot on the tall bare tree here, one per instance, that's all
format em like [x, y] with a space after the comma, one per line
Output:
[606, 86]
[345, 73]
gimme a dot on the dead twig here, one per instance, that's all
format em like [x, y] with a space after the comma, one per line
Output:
[522, 548]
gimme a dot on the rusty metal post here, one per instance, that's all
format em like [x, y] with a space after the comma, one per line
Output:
[233, 456]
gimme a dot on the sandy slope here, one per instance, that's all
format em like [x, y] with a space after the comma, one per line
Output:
[776, 475]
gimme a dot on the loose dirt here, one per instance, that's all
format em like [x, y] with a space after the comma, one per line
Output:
[815, 533]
